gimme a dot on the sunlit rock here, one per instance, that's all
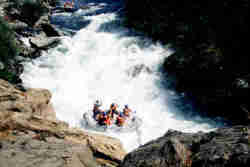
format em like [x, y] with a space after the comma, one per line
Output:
[29, 128]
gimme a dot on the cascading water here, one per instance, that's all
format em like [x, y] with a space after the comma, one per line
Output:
[106, 61]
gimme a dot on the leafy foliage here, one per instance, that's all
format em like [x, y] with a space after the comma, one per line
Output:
[8, 76]
[8, 48]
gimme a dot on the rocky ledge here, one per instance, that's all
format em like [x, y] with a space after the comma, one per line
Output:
[30, 135]
[225, 147]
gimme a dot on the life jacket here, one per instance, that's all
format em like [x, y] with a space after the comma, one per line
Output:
[113, 111]
[120, 120]
[126, 112]
[101, 118]
[96, 111]
[104, 119]
[107, 120]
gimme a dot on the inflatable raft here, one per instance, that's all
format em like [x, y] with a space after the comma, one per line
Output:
[131, 124]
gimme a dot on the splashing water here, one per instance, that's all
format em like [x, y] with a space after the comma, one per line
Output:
[105, 61]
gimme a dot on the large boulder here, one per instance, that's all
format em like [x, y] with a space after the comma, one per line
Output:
[44, 24]
[30, 135]
[40, 42]
[221, 148]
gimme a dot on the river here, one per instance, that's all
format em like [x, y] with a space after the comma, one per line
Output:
[106, 61]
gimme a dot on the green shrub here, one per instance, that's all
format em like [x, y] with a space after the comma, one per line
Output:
[8, 48]
[7, 76]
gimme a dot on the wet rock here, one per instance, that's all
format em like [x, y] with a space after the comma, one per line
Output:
[44, 24]
[43, 43]
[136, 70]
[203, 76]
[26, 51]
[239, 96]
[51, 31]
[1, 66]
[210, 48]
[224, 147]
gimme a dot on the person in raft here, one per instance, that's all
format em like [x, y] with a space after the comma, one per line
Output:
[113, 110]
[120, 119]
[96, 110]
[126, 111]
[104, 119]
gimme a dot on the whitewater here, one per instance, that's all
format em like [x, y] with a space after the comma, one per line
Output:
[105, 61]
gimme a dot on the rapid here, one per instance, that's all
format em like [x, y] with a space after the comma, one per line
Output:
[104, 60]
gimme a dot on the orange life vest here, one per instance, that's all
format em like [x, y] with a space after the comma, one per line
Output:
[107, 120]
[120, 121]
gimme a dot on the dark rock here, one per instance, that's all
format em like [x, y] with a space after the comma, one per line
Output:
[210, 43]
[44, 24]
[43, 43]
[202, 73]
[1, 66]
[50, 30]
[137, 69]
[221, 148]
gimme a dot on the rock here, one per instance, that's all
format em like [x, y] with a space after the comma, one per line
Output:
[44, 24]
[26, 51]
[206, 59]
[137, 69]
[224, 147]
[43, 43]
[34, 101]
[51, 31]
[31, 135]
[25, 151]
[1, 66]
[239, 96]
[205, 79]
[18, 26]
[3, 4]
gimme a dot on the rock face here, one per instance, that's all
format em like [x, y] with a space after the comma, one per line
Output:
[43, 43]
[222, 148]
[30, 135]
[210, 41]
[216, 90]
